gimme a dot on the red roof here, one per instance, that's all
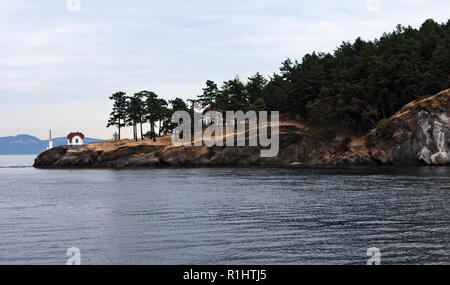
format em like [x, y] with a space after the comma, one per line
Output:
[71, 135]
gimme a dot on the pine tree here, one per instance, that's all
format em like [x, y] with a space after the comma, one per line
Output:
[210, 94]
[134, 114]
[152, 106]
[255, 87]
[118, 114]
[233, 96]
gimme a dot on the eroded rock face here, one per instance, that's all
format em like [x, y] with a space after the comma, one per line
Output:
[433, 137]
[50, 157]
[422, 134]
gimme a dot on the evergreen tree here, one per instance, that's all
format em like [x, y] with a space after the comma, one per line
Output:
[258, 105]
[210, 94]
[134, 114]
[118, 114]
[140, 110]
[176, 104]
[152, 106]
[255, 87]
[233, 96]
[163, 114]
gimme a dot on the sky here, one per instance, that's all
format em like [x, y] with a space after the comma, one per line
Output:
[60, 61]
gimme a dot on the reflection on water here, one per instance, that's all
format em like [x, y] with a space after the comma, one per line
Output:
[224, 215]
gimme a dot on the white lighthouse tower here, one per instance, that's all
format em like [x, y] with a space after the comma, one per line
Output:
[50, 142]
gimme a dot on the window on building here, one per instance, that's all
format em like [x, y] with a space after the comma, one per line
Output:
[76, 140]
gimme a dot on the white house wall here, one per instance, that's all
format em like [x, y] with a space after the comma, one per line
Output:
[74, 139]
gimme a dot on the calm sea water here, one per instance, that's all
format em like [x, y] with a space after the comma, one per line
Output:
[223, 215]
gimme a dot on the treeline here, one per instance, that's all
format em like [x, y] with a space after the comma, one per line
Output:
[144, 107]
[351, 89]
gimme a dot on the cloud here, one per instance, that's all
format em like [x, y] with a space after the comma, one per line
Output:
[51, 58]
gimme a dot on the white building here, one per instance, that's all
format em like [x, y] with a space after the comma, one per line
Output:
[75, 139]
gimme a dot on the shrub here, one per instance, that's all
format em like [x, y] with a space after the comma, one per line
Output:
[344, 144]
[385, 129]
[369, 141]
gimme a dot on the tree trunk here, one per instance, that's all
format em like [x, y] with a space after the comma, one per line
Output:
[118, 125]
[142, 134]
[153, 131]
[159, 129]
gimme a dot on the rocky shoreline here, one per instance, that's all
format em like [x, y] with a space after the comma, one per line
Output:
[419, 134]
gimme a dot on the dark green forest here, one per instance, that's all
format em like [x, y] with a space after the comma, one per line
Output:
[351, 89]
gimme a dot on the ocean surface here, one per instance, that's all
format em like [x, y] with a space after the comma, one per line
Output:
[223, 215]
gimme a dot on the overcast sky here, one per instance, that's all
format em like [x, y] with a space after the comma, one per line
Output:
[58, 67]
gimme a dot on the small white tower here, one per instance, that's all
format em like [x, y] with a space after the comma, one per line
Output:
[50, 142]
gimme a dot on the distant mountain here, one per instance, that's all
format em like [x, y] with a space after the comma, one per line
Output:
[26, 144]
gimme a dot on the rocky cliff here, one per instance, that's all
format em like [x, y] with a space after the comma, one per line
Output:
[128, 153]
[418, 134]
